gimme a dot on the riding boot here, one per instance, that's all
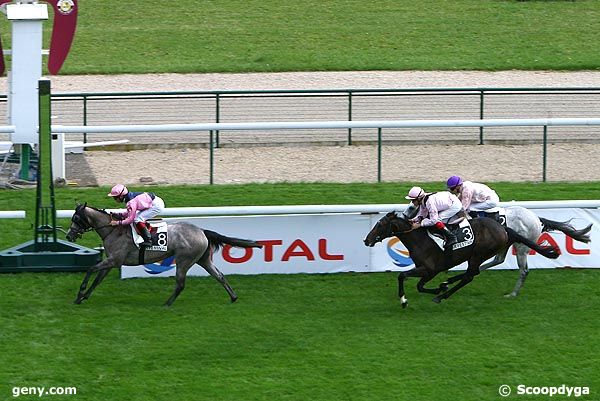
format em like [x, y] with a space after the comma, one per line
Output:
[144, 232]
[449, 235]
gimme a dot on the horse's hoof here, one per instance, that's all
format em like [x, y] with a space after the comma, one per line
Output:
[443, 287]
[511, 295]
[437, 300]
[404, 305]
[78, 301]
[234, 298]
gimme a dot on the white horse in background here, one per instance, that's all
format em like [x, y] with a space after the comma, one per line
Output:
[529, 225]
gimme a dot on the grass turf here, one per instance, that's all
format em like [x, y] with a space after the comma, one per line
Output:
[115, 37]
[299, 337]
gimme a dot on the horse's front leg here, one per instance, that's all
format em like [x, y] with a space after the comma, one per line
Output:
[416, 272]
[105, 264]
[99, 277]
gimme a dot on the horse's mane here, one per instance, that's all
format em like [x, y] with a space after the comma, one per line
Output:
[103, 211]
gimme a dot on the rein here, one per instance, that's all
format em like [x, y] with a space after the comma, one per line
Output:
[392, 231]
[83, 222]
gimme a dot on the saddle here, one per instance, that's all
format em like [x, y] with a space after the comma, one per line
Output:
[158, 232]
[497, 213]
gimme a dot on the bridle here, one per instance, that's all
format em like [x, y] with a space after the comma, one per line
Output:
[387, 222]
[82, 224]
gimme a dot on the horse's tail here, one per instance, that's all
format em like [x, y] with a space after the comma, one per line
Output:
[546, 250]
[565, 226]
[217, 240]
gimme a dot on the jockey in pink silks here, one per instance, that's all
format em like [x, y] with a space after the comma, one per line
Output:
[435, 209]
[141, 206]
[475, 197]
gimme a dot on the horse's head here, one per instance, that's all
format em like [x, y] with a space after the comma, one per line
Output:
[79, 223]
[389, 225]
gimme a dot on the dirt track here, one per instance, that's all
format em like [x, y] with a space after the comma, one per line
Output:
[566, 162]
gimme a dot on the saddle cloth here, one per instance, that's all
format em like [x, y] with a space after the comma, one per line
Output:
[158, 232]
[462, 230]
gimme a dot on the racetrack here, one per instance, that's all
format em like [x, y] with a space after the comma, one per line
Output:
[423, 162]
[566, 162]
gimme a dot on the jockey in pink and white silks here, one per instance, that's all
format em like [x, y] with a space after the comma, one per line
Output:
[435, 209]
[141, 206]
[475, 197]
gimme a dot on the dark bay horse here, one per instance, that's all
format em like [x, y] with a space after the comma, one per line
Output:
[187, 243]
[491, 238]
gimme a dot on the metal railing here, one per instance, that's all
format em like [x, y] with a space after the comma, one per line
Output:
[336, 105]
[329, 125]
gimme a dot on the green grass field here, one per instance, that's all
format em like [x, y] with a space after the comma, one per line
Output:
[299, 337]
[306, 337]
[187, 36]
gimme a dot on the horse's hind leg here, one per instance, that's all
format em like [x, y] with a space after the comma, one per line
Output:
[523, 270]
[498, 259]
[465, 279]
[206, 262]
[425, 280]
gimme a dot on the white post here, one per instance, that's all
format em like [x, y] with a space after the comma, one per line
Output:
[26, 69]
[58, 157]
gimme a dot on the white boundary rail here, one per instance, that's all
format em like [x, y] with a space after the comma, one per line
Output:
[313, 209]
[70, 129]
[379, 125]
[329, 209]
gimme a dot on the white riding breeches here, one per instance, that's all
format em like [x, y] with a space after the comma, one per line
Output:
[158, 205]
[485, 205]
[450, 212]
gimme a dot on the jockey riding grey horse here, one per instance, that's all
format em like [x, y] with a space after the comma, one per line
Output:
[187, 243]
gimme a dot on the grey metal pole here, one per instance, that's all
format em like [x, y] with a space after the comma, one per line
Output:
[481, 117]
[349, 117]
[211, 159]
[218, 115]
[378, 154]
[545, 153]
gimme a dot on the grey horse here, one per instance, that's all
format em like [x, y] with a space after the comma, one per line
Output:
[187, 243]
[530, 226]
